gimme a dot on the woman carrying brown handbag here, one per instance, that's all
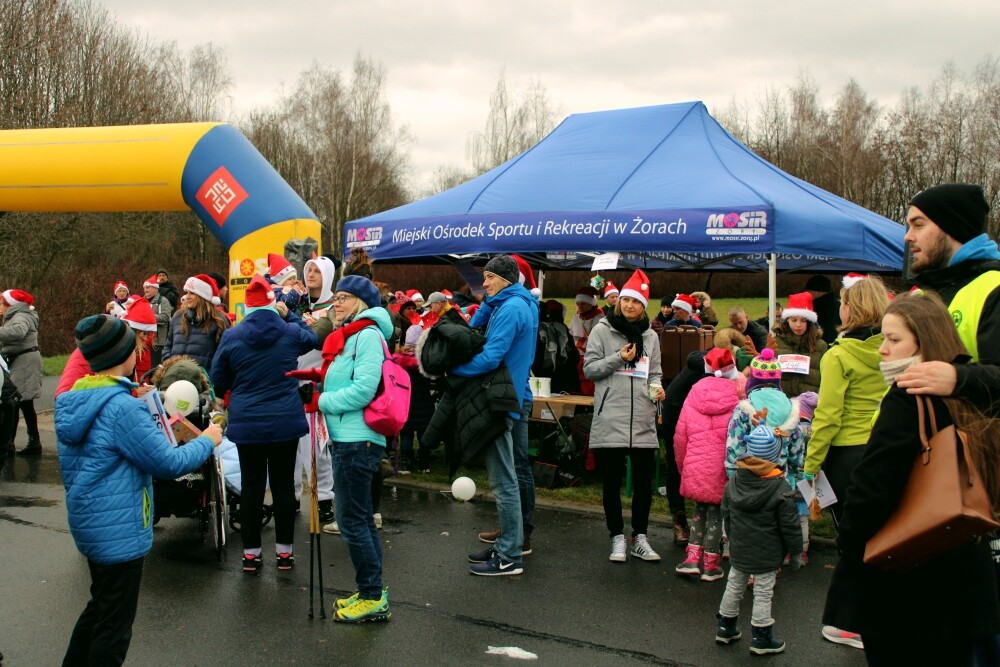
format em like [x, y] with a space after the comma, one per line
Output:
[936, 612]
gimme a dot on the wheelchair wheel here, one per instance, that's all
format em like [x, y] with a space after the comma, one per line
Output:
[220, 513]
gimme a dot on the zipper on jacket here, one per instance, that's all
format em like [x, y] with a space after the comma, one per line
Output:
[604, 399]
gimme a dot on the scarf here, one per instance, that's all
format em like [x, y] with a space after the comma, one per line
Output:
[893, 369]
[632, 331]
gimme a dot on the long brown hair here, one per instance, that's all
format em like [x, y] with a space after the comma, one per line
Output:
[813, 333]
[204, 313]
[927, 318]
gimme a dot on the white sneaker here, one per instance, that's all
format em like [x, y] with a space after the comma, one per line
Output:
[617, 549]
[378, 519]
[331, 528]
[838, 636]
[641, 549]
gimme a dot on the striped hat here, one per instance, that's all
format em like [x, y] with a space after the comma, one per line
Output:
[762, 443]
[764, 369]
[104, 341]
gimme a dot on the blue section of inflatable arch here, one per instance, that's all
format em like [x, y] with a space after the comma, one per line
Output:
[269, 199]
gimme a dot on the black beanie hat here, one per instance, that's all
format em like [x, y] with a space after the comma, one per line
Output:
[505, 267]
[104, 341]
[666, 301]
[959, 209]
[819, 283]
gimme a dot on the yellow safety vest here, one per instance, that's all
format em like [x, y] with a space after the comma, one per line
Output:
[967, 307]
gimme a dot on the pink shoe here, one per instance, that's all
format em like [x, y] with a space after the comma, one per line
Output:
[692, 563]
[712, 571]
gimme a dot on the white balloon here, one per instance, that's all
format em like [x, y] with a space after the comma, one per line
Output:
[463, 488]
[181, 397]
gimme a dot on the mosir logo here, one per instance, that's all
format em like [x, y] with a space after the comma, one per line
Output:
[220, 194]
[364, 237]
[749, 225]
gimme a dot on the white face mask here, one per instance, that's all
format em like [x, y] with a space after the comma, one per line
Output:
[893, 369]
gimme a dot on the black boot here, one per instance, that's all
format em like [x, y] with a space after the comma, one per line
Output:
[765, 642]
[326, 514]
[728, 630]
[34, 448]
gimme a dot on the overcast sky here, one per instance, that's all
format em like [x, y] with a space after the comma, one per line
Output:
[443, 57]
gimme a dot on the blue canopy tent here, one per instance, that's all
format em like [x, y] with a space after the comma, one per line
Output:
[666, 186]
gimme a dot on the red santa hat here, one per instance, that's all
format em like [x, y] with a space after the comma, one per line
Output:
[279, 268]
[139, 315]
[720, 363]
[151, 281]
[448, 295]
[414, 295]
[684, 302]
[203, 286]
[799, 305]
[586, 294]
[259, 293]
[120, 285]
[526, 277]
[610, 288]
[851, 279]
[637, 287]
[16, 296]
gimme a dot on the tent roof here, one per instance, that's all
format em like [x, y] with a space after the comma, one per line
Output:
[665, 185]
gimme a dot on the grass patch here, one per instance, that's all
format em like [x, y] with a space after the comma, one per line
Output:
[54, 365]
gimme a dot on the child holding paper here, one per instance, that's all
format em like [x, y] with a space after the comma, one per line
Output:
[109, 449]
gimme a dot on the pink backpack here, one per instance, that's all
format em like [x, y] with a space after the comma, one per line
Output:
[388, 411]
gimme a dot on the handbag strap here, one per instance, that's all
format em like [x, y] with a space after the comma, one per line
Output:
[921, 418]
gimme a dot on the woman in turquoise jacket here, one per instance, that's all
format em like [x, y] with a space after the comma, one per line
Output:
[357, 451]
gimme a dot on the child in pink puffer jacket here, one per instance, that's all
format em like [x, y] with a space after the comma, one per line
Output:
[700, 450]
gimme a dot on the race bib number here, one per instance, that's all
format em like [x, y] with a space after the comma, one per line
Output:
[641, 369]
[794, 363]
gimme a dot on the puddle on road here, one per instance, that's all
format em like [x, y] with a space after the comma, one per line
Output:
[26, 501]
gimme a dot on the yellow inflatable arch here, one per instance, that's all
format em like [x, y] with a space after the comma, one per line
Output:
[209, 168]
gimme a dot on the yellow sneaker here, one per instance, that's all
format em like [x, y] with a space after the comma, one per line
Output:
[344, 603]
[365, 610]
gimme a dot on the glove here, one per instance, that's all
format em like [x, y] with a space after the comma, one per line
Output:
[795, 562]
[307, 374]
[808, 476]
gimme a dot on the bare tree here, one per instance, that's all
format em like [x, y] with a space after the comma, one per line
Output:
[515, 124]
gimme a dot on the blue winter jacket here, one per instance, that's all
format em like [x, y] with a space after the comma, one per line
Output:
[352, 381]
[511, 333]
[109, 451]
[252, 359]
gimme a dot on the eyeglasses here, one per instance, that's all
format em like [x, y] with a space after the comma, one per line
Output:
[343, 298]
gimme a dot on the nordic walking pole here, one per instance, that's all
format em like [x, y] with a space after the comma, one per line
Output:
[314, 527]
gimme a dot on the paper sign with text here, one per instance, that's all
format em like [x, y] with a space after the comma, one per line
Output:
[794, 363]
[824, 492]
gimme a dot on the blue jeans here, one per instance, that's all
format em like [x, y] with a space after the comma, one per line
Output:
[354, 464]
[503, 485]
[522, 464]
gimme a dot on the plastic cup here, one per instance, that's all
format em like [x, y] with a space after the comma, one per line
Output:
[654, 390]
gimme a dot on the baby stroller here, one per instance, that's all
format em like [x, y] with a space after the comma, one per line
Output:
[200, 494]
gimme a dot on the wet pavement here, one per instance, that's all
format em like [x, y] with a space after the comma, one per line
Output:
[570, 607]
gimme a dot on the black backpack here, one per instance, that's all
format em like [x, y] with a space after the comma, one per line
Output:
[8, 393]
[552, 349]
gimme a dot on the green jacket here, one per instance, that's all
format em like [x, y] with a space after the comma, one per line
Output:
[852, 386]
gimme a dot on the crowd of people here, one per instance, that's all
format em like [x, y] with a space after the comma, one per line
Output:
[828, 389]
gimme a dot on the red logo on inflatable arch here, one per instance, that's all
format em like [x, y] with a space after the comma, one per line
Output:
[220, 194]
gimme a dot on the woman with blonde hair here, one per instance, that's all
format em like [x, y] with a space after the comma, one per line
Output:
[197, 326]
[957, 589]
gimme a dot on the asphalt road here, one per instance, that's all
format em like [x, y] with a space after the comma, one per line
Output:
[570, 607]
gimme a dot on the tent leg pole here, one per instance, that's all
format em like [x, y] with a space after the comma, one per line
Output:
[540, 282]
[772, 286]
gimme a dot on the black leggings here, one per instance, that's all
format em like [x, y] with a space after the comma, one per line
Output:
[260, 463]
[611, 462]
[30, 420]
[840, 463]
